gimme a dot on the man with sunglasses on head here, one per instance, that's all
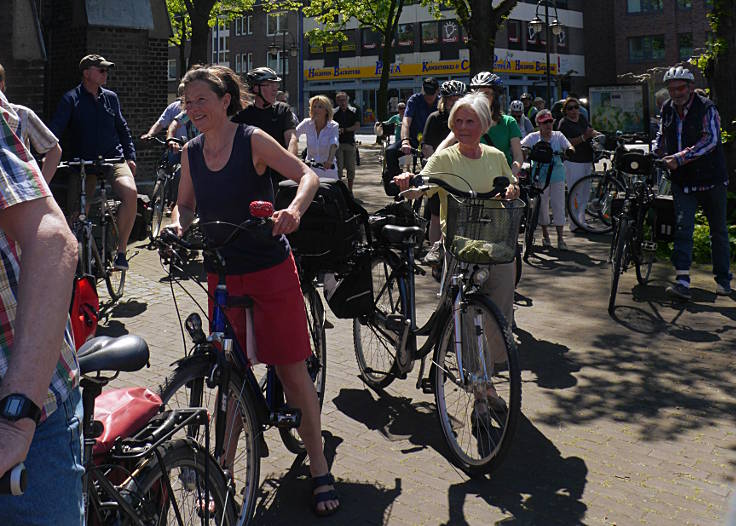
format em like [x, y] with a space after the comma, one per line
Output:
[98, 128]
[689, 139]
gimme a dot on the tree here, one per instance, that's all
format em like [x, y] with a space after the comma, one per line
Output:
[193, 19]
[481, 21]
[716, 64]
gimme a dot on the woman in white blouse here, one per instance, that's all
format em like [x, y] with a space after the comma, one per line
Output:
[322, 135]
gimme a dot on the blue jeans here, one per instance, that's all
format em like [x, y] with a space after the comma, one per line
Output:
[713, 202]
[54, 467]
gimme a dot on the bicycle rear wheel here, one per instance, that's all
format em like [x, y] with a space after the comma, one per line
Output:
[184, 463]
[532, 216]
[158, 198]
[645, 254]
[478, 394]
[316, 363]
[619, 246]
[114, 278]
[589, 202]
[187, 387]
[375, 343]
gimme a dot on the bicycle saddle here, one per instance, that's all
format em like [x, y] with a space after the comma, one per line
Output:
[127, 353]
[399, 234]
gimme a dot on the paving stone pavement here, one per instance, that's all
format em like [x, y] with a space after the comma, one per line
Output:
[629, 419]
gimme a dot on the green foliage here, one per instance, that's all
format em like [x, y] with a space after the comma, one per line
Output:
[179, 14]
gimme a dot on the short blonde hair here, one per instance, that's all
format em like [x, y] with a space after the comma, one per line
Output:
[327, 104]
[478, 104]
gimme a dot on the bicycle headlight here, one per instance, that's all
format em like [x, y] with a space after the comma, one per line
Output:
[480, 276]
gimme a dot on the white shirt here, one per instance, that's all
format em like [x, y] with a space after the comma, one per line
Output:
[318, 145]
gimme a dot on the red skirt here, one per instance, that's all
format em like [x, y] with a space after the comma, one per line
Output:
[279, 315]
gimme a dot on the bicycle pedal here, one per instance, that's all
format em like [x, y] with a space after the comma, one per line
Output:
[426, 386]
[286, 418]
[395, 322]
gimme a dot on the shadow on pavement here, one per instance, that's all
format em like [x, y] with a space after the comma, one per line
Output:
[548, 360]
[127, 309]
[287, 500]
[534, 485]
[112, 328]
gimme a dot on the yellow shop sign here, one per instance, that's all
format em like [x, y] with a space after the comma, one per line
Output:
[440, 68]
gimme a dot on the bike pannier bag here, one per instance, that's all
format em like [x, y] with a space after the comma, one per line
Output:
[84, 310]
[664, 219]
[331, 227]
[352, 295]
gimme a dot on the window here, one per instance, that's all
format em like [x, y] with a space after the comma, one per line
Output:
[371, 40]
[243, 25]
[685, 45]
[276, 24]
[644, 6]
[249, 25]
[406, 35]
[238, 63]
[430, 33]
[278, 62]
[248, 62]
[450, 31]
[684, 4]
[221, 44]
[171, 69]
[513, 29]
[647, 48]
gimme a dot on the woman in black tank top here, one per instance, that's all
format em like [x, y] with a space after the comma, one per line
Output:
[222, 171]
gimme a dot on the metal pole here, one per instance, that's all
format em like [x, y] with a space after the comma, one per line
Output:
[283, 58]
[217, 42]
[300, 63]
[547, 33]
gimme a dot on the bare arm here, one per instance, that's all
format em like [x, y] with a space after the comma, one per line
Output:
[516, 154]
[268, 153]
[44, 290]
[293, 142]
[171, 133]
[331, 156]
[289, 135]
[50, 162]
[153, 131]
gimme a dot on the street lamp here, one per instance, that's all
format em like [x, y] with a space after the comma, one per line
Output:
[292, 49]
[538, 25]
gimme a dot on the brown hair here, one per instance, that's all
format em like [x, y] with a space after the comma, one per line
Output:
[221, 80]
[568, 101]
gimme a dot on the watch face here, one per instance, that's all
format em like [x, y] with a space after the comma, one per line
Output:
[16, 406]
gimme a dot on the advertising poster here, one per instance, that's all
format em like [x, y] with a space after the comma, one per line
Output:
[619, 108]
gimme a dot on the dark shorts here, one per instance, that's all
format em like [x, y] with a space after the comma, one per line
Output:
[279, 316]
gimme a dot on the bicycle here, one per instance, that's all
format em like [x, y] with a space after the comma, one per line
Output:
[634, 238]
[533, 191]
[166, 174]
[129, 461]
[478, 403]
[98, 243]
[244, 406]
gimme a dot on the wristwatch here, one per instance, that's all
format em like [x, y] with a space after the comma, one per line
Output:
[17, 406]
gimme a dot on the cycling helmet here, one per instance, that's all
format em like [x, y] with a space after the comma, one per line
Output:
[260, 75]
[678, 73]
[526, 95]
[486, 79]
[453, 88]
[516, 105]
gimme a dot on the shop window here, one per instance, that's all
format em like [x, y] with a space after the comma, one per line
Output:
[450, 31]
[405, 36]
[430, 34]
[513, 28]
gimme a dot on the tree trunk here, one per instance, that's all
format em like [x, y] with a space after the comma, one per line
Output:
[199, 15]
[387, 58]
[722, 81]
[183, 49]
[481, 36]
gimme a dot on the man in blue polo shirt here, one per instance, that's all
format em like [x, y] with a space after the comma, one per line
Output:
[418, 108]
[98, 129]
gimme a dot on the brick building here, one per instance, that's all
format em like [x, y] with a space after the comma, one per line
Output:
[42, 47]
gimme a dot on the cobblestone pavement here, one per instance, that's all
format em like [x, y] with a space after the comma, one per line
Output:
[626, 420]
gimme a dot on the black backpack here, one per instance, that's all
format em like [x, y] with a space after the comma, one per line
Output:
[330, 230]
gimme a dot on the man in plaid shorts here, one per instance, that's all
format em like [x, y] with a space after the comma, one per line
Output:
[40, 402]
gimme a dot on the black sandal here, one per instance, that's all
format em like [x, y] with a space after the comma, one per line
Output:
[323, 496]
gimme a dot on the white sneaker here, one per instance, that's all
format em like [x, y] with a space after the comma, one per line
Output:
[434, 256]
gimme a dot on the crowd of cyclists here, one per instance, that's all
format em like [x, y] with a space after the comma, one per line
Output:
[241, 143]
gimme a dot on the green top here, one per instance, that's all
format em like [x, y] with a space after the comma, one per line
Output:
[501, 135]
[395, 119]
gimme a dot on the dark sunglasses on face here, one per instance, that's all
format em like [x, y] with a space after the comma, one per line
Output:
[573, 108]
[677, 89]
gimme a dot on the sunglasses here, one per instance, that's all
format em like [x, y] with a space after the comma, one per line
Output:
[677, 89]
[547, 121]
[573, 107]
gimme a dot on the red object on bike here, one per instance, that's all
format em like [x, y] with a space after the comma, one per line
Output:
[261, 209]
[123, 412]
[84, 310]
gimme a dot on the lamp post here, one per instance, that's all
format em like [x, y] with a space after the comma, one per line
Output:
[292, 49]
[538, 25]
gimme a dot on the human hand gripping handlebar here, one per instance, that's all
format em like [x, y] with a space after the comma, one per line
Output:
[14, 481]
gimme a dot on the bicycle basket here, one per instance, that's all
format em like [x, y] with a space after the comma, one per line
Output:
[483, 230]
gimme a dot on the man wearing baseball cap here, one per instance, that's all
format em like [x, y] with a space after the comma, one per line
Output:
[418, 108]
[98, 128]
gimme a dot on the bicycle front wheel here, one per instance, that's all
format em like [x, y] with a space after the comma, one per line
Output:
[114, 278]
[187, 387]
[619, 247]
[316, 363]
[158, 200]
[646, 250]
[184, 463]
[375, 343]
[532, 217]
[589, 202]
[478, 388]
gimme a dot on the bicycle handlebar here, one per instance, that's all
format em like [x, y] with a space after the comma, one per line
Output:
[77, 162]
[14, 481]
[499, 185]
[166, 142]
